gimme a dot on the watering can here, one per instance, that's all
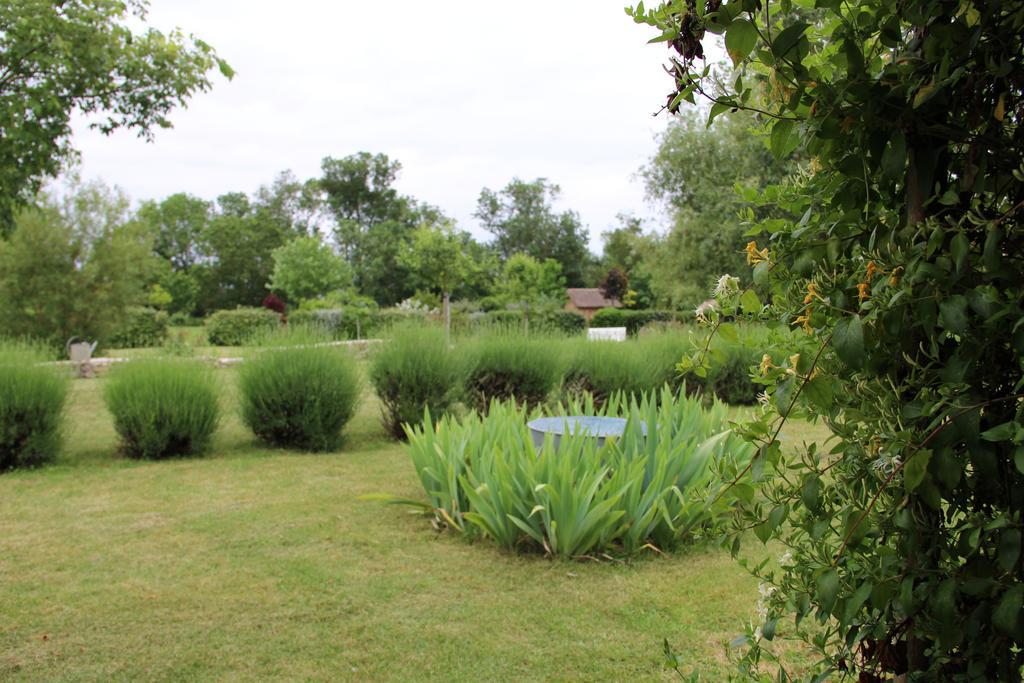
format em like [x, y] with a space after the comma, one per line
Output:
[80, 352]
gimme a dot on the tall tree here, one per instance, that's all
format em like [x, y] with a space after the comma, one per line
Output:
[177, 223]
[306, 268]
[82, 56]
[72, 267]
[523, 221]
[237, 246]
[695, 175]
[373, 222]
[436, 257]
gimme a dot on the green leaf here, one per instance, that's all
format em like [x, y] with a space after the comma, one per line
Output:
[953, 314]
[819, 392]
[855, 601]
[848, 340]
[750, 302]
[810, 493]
[1003, 432]
[788, 39]
[828, 589]
[1006, 616]
[915, 468]
[783, 140]
[740, 39]
[959, 248]
[1018, 459]
[727, 332]
[1009, 549]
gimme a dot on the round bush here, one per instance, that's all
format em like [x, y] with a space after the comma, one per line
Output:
[163, 408]
[32, 398]
[414, 371]
[512, 367]
[237, 327]
[299, 397]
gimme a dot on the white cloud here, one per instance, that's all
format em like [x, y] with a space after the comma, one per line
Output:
[464, 94]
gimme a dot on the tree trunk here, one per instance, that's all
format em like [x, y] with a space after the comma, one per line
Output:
[447, 318]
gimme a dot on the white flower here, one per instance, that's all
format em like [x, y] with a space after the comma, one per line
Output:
[786, 560]
[726, 285]
[757, 635]
[702, 311]
[886, 464]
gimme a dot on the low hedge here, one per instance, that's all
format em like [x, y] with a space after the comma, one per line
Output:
[511, 367]
[141, 327]
[163, 408]
[237, 327]
[299, 397]
[32, 399]
[560, 322]
[415, 371]
[633, 321]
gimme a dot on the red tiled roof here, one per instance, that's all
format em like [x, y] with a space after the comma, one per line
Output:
[590, 298]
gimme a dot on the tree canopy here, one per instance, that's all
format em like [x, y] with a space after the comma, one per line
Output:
[59, 58]
[522, 220]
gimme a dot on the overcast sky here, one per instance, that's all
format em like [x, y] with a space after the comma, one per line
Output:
[464, 94]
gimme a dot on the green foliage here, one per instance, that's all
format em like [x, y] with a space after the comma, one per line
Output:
[299, 397]
[525, 280]
[306, 268]
[511, 367]
[163, 408]
[603, 368]
[632, 320]
[238, 327]
[413, 371]
[32, 398]
[177, 224]
[567, 323]
[83, 57]
[696, 173]
[485, 477]
[73, 268]
[900, 258]
[140, 328]
[523, 221]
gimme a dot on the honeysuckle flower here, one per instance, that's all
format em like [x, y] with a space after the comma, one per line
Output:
[701, 312]
[812, 293]
[786, 560]
[726, 285]
[755, 255]
[805, 320]
[863, 291]
[793, 361]
[766, 364]
[873, 269]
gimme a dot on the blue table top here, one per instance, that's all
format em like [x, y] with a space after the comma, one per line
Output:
[593, 426]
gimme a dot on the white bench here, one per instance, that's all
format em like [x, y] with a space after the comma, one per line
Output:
[606, 334]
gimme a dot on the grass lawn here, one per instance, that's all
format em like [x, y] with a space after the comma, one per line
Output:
[255, 564]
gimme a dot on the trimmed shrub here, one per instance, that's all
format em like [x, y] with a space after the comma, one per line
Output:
[602, 368]
[32, 398]
[557, 322]
[163, 408]
[299, 397]
[140, 328]
[184, 320]
[413, 372]
[633, 321]
[507, 366]
[486, 478]
[336, 323]
[237, 327]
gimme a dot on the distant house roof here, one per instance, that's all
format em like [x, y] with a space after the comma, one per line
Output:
[590, 298]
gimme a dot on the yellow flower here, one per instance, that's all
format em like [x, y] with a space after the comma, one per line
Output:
[863, 291]
[754, 255]
[794, 360]
[766, 364]
[805, 320]
[873, 269]
[812, 293]
[894, 279]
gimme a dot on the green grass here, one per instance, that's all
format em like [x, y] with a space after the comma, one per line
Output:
[258, 564]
